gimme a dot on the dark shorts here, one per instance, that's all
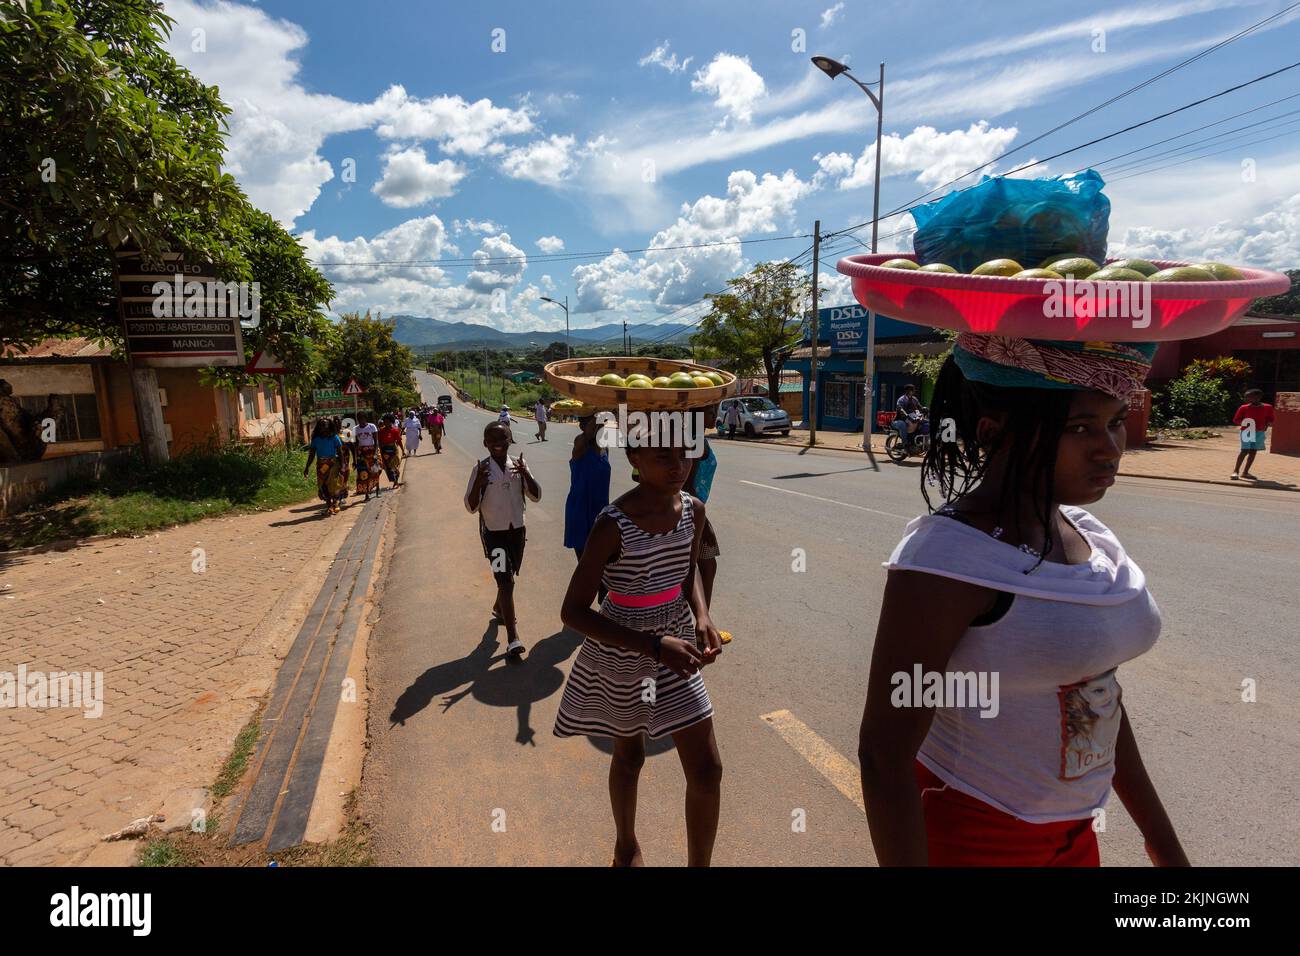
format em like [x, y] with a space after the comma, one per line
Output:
[504, 548]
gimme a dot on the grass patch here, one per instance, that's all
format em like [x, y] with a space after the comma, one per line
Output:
[167, 851]
[133, 497]
[1189, 434]
[237, 762]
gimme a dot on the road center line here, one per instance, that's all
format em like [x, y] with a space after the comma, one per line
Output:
[826, 760]
[787, 491]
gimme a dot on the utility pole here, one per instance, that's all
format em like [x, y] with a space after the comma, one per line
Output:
[626, 345]
[812, 362]
[869, 365]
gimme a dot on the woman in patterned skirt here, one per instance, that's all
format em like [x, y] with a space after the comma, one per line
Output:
[638, 672]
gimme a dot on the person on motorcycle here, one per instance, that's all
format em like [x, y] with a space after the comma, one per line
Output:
[907, 414]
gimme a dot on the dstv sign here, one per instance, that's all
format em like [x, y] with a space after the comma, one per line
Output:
[847, 327]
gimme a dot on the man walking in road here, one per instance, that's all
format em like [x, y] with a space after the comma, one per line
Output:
[732, 419]
[539, 413]
[496, 491]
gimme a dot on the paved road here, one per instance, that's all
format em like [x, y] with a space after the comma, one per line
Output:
[476, 747]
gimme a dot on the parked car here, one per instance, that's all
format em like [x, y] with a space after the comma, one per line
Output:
[444, 404]
[758, 415]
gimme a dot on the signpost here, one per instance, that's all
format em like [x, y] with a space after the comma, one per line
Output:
[176, 340]
[265, 363]
[353, 388]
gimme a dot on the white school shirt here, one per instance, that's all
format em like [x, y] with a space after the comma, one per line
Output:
[365, 435]
[1049, 753]
[502, 506]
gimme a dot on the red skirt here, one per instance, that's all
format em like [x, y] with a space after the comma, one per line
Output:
[963, 831]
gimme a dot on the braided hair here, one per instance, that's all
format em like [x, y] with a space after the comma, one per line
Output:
[1033, 422]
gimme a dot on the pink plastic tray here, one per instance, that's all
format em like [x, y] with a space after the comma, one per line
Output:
[1054, 309]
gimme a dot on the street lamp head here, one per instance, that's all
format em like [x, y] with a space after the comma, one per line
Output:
[547, 298]
[831, 68]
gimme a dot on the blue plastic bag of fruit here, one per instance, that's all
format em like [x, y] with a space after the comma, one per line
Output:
[1027, 220]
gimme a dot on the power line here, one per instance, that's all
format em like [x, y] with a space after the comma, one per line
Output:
[1100, 106]
[1100, 139]
[1192, 159]
[553, 257]
[1196, 144]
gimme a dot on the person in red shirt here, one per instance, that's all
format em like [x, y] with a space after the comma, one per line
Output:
[1254, 418]
[389, 438]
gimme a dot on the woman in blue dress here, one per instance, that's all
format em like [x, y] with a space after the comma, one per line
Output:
[588, 488]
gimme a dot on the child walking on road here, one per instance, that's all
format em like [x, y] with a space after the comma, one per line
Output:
[497, 487]
[1253, 418]
[638, 671]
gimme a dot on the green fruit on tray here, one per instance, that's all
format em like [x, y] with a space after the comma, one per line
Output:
[639, 383]
[638, 377]
[1076, 267]
[663, 381]
[1038, 274]
[612, 379]
[998, 267]
[703, 382]
[682, 382]
[715, 378]
[900, 264]
[1117, 274]
[938, 267]
[1220, 271]
[1137, 265]
[1182, 274]
[1057, 257]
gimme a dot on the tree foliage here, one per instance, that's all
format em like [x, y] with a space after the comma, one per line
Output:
[1287, 303]
[105, 141]
[758, 321]
[364, 348]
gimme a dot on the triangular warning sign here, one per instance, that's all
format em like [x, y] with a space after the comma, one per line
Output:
[265, 363]
[352, 388]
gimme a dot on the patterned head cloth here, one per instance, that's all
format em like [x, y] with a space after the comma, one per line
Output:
[1116, 368]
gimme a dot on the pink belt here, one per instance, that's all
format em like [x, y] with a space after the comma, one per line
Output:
[645, 600]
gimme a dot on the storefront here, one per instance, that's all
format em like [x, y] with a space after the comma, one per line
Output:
[841, 354]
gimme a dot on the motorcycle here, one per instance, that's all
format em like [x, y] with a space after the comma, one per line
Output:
[917, 443]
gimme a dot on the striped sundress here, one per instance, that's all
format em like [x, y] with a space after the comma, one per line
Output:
[609, 692]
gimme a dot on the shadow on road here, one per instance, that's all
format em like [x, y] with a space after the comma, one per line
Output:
[516, 683]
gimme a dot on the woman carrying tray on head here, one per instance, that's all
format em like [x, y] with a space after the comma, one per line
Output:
[638, 672]
[1011, 580]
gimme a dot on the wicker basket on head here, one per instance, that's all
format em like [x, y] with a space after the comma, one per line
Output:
[576, 378]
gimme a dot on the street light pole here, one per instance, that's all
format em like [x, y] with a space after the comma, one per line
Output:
[568, 350]
[833, 69]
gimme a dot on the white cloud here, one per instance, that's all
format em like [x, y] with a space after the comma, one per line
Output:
[660, 56]
[934, 157]
[457, 125]
[424, 238]
[496, 274]
[486, 226]
[830, 15]
[605, 284]
[550, 244]
[733, 83]
[409, 179]
[545, 161]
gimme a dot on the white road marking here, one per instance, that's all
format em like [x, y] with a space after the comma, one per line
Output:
[842, 773]
[787, 491]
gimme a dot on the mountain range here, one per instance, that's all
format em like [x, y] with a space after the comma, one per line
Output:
[422, 330]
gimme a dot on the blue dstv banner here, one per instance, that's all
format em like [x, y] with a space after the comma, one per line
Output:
[846, 327]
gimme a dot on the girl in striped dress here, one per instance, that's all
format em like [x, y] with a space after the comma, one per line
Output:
[638, 672]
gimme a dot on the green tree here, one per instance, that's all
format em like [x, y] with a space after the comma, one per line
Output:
[1287, 303]
[927, 366]
[105, 140]
[1198, 398]
[363, 348]
[758, 321]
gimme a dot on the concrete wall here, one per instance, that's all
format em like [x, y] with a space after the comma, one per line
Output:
[20, 484]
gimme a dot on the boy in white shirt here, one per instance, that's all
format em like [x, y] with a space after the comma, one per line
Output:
[497, 487]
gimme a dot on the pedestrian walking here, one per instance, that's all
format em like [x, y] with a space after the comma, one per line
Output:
[367, 456]
[498, 485]
[540, 415]
[1253, 418]
[732, 419]
[390, 453]
[412, 427]
[589, 472]
[1012, 581]
[436, 426]
[638, 671]
[327, 450]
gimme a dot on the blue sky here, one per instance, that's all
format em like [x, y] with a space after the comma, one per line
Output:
[462, 135]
